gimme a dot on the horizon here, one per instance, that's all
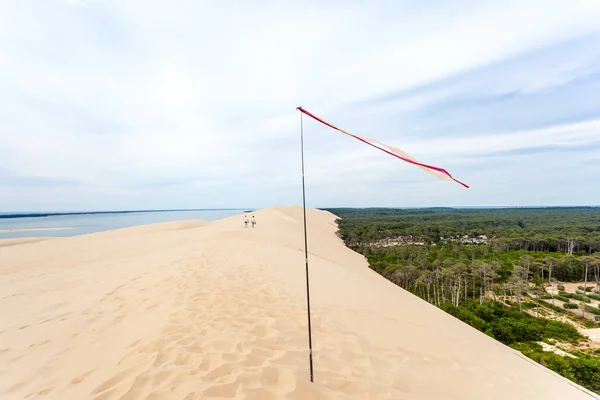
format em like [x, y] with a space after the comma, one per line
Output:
[104, 109]
[37, 213]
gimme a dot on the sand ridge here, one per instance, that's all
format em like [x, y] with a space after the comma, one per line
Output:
[196, 310]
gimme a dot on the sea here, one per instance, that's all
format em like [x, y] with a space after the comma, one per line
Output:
[81, 223]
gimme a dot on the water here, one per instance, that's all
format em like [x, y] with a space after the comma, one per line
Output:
[89, 223]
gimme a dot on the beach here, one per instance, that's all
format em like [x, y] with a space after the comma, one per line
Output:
[213, 310]
[32, 230]
[24, 225]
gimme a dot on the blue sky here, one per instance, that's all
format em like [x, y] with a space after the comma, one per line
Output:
[187, 104]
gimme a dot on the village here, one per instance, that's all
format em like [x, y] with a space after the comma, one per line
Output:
[419, 240]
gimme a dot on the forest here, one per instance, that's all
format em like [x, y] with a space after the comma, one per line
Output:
[574, 230]
[492, 282]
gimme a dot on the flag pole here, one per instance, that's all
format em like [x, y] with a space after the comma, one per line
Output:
[306, 250]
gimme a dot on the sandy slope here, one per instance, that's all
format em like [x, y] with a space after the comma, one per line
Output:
[34, 229]
[21, 241]
[214, 310]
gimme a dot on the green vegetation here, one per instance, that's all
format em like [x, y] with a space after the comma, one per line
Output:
[595, 311]
[574, 230]
[581, 297]
[584, 370]
[585, 289]
[510, 326]
[490, 269]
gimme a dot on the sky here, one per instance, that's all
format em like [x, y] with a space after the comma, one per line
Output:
[119, 105]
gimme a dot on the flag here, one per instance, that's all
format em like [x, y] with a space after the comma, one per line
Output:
[391, 150]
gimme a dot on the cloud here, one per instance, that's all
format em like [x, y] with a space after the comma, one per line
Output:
[148, 104]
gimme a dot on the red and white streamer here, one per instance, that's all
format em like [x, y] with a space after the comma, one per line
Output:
[391, 150]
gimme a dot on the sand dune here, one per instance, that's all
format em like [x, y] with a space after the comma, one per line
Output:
[33, 229]
[216, 310]
[21, 241]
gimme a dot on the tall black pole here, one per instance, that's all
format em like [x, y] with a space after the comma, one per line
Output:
[306, 250]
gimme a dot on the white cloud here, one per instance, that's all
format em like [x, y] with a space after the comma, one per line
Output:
[118, 95]
[571, 135]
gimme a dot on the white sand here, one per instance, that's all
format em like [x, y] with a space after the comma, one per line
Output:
[592, 334]
[554, 349]
[21, 241]
[215, 310]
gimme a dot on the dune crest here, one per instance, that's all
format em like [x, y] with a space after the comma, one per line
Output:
[194, 310]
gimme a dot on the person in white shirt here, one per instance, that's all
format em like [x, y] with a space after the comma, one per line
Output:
[245, 221]
[253, 221]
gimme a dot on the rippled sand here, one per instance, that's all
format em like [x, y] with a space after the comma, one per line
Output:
[196, 310]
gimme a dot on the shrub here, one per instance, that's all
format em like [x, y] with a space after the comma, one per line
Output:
[546, 296]
[584, 371]
[597, 319]
[594, 296]
[581, 297]
[566, 294]
[589, 289]
[528, 305]
[581, 287]
[549, 305]
[562, 298]
[579, 292]
[509, 325]
[465, 315]
[560, 287]
[569, 306]
[593, 310]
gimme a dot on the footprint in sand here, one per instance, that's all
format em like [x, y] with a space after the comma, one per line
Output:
[283, 379]
[80, 378]
[46, 391]
[17, 386]
[152, 306]
[260, 394]
[111, 383]
[109, 395]
[220, 372]
[227, 390]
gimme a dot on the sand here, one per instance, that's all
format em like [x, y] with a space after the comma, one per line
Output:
[21, 241]
[195, 310]
[33, 229]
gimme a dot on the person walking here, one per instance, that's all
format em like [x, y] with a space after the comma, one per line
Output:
[245, 221]
[253, 221]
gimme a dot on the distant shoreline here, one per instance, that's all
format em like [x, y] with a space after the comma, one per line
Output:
[33, 229]
[247, 210]
[56, 214]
